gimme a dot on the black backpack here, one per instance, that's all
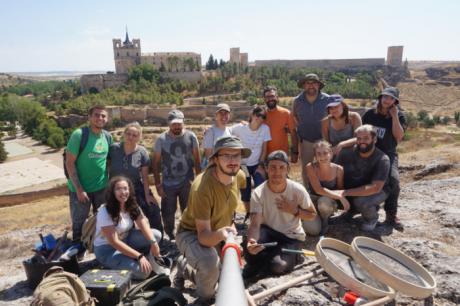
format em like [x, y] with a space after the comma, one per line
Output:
[154, 291]
[83, 142]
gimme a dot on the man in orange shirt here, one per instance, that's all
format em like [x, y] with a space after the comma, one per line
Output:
[281, 123]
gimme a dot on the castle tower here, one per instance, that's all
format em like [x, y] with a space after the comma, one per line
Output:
[126, 54]
[394, 55]
[235, 55]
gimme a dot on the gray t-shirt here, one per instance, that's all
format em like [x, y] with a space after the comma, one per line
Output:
[360, 171]
[309, 116]
[212, 134]
[176, 157]
[128, 165]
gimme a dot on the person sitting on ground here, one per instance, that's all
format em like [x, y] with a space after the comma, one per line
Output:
[217, 130]
[325, 178]
[255, 136]
[366, 170]
[277, 208]
[208, 219]
[339, 125]
[118, 245]
[390, 123]
[132, 160]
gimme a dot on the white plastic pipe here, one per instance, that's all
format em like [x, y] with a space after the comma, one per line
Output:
[230, 291]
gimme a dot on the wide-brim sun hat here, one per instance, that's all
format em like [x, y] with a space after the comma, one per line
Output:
[230, 142]
[390, 91]
[310, 77]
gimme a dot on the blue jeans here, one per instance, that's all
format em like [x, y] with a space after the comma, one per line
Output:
[110, 258]
[79, 211]
[258, 179]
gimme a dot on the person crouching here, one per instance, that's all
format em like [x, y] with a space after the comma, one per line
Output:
[278, 207]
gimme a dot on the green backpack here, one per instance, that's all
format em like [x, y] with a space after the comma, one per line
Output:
[154, 291]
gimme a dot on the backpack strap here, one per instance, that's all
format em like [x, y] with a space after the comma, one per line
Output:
[166, 294]
[84, 139]
[154, 283]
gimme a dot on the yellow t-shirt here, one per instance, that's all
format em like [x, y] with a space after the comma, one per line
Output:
[211, 200]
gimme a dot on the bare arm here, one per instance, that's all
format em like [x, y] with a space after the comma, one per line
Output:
[314, 181]
[208, 237]
[156, 165]
[73, 175]
[325, 129]
[145, 180]
[143, 225]
[340, 173]
[197, 160]
[253, 233]
[396, 127]
[366, 190]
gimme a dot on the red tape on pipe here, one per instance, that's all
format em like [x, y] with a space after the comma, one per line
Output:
[237, 249]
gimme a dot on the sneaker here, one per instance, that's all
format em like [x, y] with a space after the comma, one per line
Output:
[394, 222]
[369, 226]
[80, 250]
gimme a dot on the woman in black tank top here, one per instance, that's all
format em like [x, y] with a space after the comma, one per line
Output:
[326, 179]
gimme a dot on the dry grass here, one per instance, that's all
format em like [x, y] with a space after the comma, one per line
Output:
[51, 211]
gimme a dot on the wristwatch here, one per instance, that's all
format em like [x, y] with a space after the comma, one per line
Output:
[139, 257]
[153, 241]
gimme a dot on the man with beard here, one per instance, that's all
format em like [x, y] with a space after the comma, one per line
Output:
[176, 153]
[85, 162]
[281, 123]
[366, 170]
[278, 208]
[308, 109]
[208, 219]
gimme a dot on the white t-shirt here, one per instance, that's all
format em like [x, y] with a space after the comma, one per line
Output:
[212, 134]
[104, 219]
[253, 140]
[263, 200]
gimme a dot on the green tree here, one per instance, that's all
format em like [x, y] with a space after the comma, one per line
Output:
[3, 152]
[422, 115]
[210, 63]
[144, 72]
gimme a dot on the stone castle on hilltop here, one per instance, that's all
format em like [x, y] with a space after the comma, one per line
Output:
[128, 54]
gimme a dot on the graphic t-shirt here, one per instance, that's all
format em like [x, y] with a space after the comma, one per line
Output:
[128, 165]
[385, 139]
[176, 157]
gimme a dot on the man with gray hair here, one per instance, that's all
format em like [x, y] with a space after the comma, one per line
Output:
[366, 170]
[176, 153]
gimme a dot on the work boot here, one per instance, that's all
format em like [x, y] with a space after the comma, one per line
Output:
[394, 222]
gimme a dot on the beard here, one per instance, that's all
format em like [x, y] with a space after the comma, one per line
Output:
[271, 104]
[312, 92]
[177, 132]
[230, 172]
[366, 149]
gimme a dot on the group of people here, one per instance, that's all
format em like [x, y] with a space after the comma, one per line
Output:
[345, 165]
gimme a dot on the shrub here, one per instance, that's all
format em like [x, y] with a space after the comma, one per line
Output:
[428, 123]
[3, 153]
[411, 120]
[445, 120]
[422, 115]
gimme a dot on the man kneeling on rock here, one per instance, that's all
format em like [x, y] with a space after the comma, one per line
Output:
[208, 219]
[277, 208]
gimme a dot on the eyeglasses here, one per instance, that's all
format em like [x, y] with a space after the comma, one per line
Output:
[229, 157]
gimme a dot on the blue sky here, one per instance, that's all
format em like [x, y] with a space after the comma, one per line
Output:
[77, 35]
